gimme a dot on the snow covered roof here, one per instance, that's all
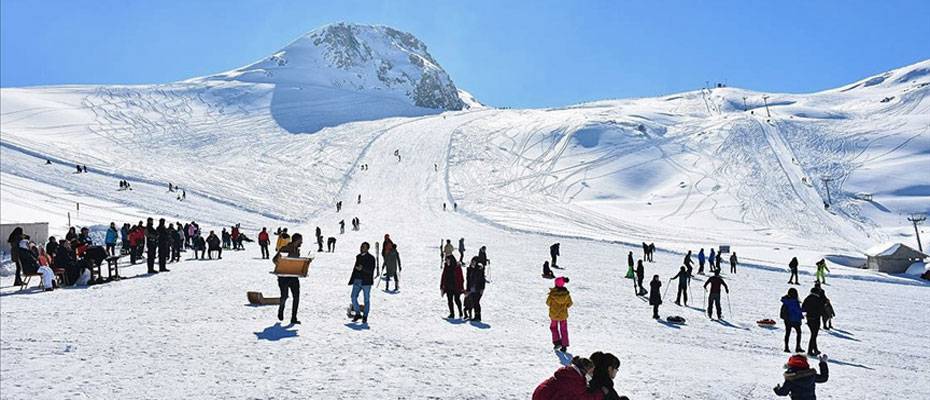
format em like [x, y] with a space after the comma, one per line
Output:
[889, 249]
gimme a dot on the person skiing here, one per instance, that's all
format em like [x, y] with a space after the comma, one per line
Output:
[630, 273]
[683, 279]
[640, 275]
[655, 295]
[713, 299]
[711, 258]
[151, 245]
[800, 379]
[110, 239]
[702, 258]
[554, 254]
[793, 267]
[791, 313]
[263, 242]
[559, 301]
[289, 283]
[461, 249]
[474, 289]
[361, 280]
[451, 284]
[733, 262]
[391, 267]
[164, 245]
[813, 308]
[822, 271]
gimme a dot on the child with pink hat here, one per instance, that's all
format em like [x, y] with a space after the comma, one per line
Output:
[559, 300]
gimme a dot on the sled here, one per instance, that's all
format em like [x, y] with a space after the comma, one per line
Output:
[677, 320]
[548, 276]
[350, 312]
[766, 323]
[292, 267]
[257, 299]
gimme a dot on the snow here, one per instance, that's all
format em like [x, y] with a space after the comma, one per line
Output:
[916, 269]
[685, 171]
[883, 250]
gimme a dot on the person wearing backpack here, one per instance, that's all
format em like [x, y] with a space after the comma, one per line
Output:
[800, 379]
[792, 315]
[559, 301]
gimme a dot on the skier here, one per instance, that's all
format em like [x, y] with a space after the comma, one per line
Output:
[733, 262]
[822, 271]
[554, 254]
[359, 199]
[713, 300]
[263, 242]
[683, 278]
[452, 284]
[792, 315]
[342, 227]
[710, 260]
[655, 295]
[461, 249]
[110, 240]
[361, 280]
[559, 301]
[391, 267]
[164, 245]
[319, 239]
[640, 275]
[289, 283]
[331, 244]
[813, 308]
[151, 244]
[630, 274]
[701, 259]
[800, 379]
[793, 267]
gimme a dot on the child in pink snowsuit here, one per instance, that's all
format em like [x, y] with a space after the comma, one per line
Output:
[559, 300]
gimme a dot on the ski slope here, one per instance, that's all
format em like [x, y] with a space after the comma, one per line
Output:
[684, 171]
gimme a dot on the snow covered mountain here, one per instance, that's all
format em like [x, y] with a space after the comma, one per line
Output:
[375, 71]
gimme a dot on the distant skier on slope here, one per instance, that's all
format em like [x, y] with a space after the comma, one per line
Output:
[342, 227]
[713, 299]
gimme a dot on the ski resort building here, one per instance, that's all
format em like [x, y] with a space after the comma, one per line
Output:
[893, 258]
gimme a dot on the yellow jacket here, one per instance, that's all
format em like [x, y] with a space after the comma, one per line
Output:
[559, 300]
[282, 241]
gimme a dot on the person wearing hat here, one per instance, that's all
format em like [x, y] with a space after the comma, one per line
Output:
[791, 313]
[800, 379]
[559, 301]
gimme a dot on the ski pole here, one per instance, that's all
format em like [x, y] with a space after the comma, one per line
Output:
[705, 298]
[666, 288]
[730, 308]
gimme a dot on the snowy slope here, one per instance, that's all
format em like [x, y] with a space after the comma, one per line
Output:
[687, 170]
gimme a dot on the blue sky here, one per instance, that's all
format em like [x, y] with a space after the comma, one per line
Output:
[518, 53]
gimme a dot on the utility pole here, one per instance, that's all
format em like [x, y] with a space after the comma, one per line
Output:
[826, 184]
[745, 107]
[765, 100]
[916, 219]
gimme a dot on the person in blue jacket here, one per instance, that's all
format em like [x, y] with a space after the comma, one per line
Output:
[110, 240]
[701, 259]
[791, 314]
[800, 379]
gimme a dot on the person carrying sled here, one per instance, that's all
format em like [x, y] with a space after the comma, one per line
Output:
[801, 380]
[559, 301]
[791, 313]
[391, 267]
[655, 295]
[289, 283]
[361, 280]
[713, 300]
[683, 279]
[452, 284]
[793, 267]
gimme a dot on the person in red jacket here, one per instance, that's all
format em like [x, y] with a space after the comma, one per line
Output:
[568, 383]
[452, 284]
[263, 242]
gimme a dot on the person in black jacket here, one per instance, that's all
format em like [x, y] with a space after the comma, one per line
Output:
[801, 380]
[213, 244]
[151, 244]
[15, 236]
[640, 275]
[793, 266]
[361, 280]
[51, 248]
[474, 289]
[655, 295]
[554, 254]
[813, 309]
[683, 278]
[713, 299]
[164, 245]
[289, 283]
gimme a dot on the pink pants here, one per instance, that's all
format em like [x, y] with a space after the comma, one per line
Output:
[559, 331]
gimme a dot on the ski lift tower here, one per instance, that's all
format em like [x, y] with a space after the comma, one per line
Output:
[765, 100]
[826, 185]
[915, 219]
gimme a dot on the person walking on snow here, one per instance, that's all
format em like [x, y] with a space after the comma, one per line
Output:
[559, 301]
[452, 284]
[822, 271]
[800, 379]
[151, 245]
[793, 267]
[711, 259]
[813, 308]
[474, 289]
[319, 239]
[342, 227]
[655, 295]
[110, 239]
[702, 258]
[683, 279]
[289, 283]
[391, 267]
[554, 254]
[718, 260]
[331, 244]
[733, 262]
[791, 313]
[713, 300]
[263, 242]
[640, 275]
[448, 249]
[361, 280]
[630, 273]
[461, 249]
[283, 239]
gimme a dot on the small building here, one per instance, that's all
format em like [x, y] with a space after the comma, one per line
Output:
[37, 231]
[893, 258]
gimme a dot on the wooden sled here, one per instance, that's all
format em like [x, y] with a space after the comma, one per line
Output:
[257, 299]
[292, 267]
